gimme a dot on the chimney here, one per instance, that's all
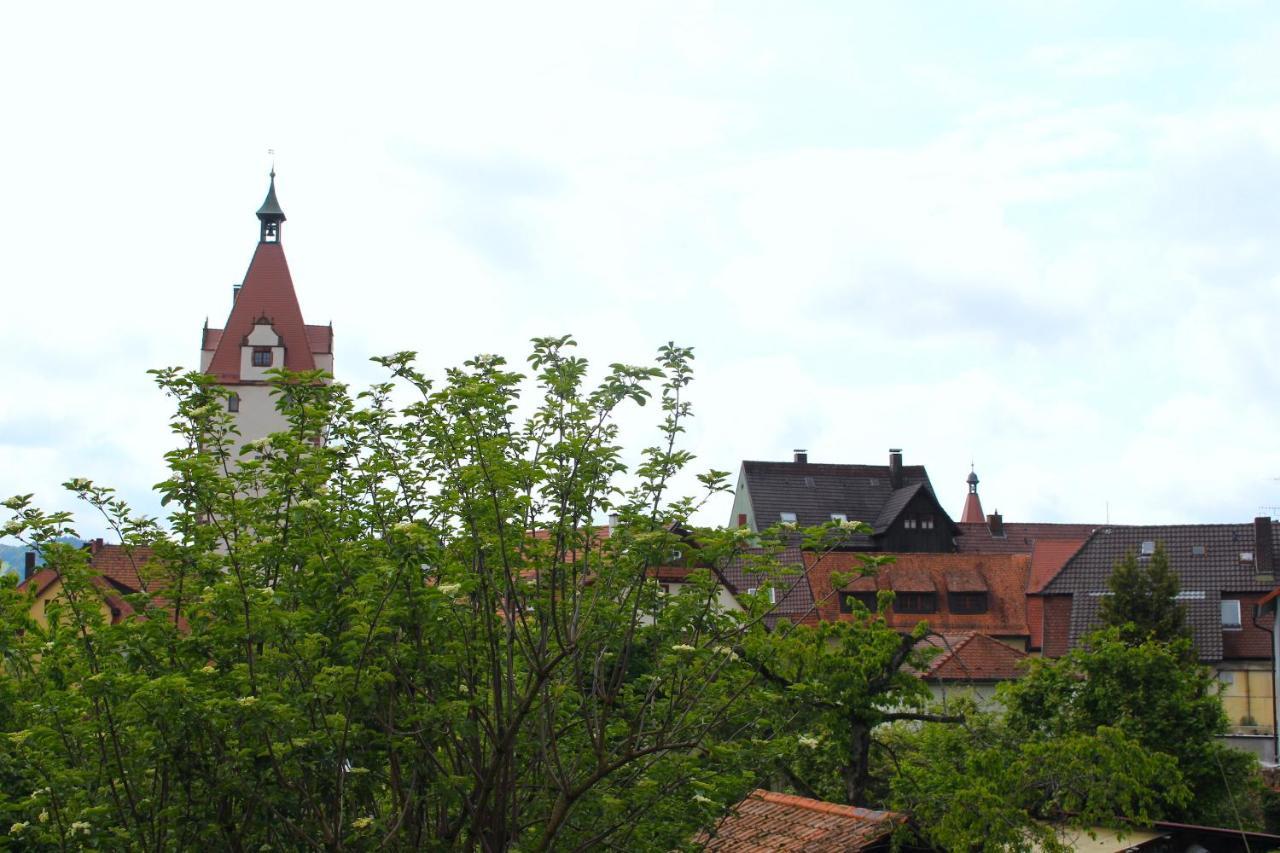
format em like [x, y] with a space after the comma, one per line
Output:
[895, 467]
[28, 565]
[995, 523]
[802, 455]
[1263, 549]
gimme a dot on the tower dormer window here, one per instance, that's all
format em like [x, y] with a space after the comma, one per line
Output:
[262, 356]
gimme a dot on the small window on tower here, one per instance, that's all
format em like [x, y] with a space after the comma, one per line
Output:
[262, 357]
[233, 403]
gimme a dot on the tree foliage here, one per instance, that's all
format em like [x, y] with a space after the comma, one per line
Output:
[1144, 602]
[389, 626]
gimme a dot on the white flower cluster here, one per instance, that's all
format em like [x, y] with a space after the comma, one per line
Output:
[246, 701]
[81, 826]
[682, 647]
[808, 741]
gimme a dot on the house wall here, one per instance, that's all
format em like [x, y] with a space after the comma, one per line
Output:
[742, 503]
[53, 592]
[903, 540]
[1247, 696]
[258, 416]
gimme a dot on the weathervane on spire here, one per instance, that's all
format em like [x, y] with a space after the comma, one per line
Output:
[272, 152]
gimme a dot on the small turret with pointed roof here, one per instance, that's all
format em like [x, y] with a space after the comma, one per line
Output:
[270, 215]
[972, 504]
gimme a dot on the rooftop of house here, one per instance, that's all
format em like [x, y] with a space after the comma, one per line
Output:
[1212, 561]
[971, 657]
[1003, 577]
[1015, 537]
[814, 491]
[765, 822]
[794, 597]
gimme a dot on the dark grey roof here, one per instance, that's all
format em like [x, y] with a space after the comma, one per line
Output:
[795, 597]
[1204, 617]
[1203, 577]
[814, 491]
[897, 502]
[1219, 568]
[270, 206]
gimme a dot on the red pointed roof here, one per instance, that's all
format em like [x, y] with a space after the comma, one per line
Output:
[267, 292]
[972, 510]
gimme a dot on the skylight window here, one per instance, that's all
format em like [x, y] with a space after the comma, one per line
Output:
[1197, 550]
[787, 517]
[1148, 548]
[839, 516]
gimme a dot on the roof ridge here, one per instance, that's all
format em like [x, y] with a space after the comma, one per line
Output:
[819, 805]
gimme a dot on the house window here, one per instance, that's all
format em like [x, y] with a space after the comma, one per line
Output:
[915, 602]
[665, 588]
[926, 522]
[787, 517]
[1230, 614]
[839, 516]
[262, 356]
[909, 522]
[233, 402]
[967, 602]
[866, 599]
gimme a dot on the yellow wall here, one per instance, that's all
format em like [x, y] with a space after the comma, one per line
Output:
[1247, 693]
[54, 593]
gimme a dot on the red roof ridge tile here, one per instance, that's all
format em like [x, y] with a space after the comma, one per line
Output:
[823, 806]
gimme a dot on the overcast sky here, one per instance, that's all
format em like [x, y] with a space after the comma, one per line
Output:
[1041, 236]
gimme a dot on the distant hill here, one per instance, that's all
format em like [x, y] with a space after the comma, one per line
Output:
[11, 558]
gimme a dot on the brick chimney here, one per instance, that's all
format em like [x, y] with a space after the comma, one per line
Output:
[28, 565]
[802, 455]
[1264, 557]
[995, 523]
[895, 467]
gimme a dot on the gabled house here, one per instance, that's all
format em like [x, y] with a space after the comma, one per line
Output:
[1224, 571]
[118, 572]
[971, 663]
[896, 500]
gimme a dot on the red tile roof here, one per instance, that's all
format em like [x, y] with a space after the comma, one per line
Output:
[765, 822]
[1019, 537]
[1048, 556]
[972, 513]
[1005, 577]
[971, 657]
[267, 292]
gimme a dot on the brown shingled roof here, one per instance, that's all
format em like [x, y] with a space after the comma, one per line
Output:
[765, 822]
[1019, 537]
[1005, 576]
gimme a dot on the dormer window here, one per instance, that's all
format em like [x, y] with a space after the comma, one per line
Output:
[866, 599]
[1230, 614]
[1148, 548]
[262, 356]
[967, 602]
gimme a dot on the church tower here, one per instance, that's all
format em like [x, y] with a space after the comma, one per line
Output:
[265, 330]
[972, 503]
